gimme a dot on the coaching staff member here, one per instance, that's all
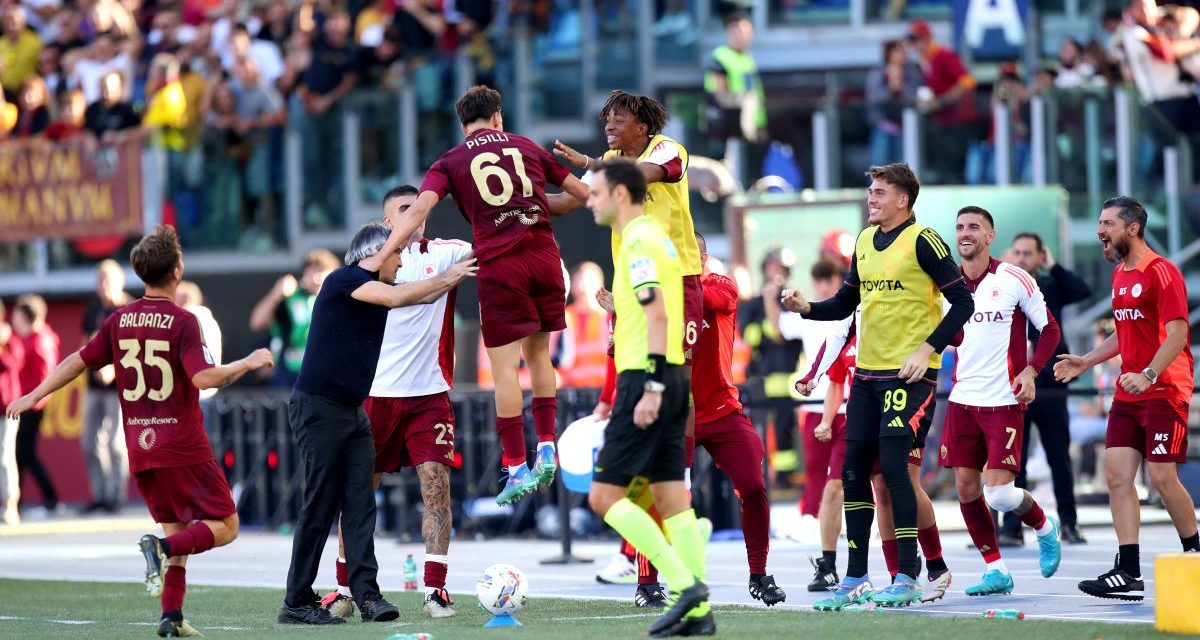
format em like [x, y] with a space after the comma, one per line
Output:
[1049, 410]
[332, 432]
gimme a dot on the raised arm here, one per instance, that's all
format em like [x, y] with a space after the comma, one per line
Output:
[407, 224]
[574, 195]
[224, 375]
[264, 312]
[65, 372]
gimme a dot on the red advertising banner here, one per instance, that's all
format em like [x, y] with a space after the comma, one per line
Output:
[69, 190]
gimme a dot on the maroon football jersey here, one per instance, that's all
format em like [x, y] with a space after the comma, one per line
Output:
[499, 181]
[157, 348]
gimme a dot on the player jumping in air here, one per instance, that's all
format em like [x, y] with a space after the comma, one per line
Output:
[162, 364]
[1148, 418]
[993, 382]
[409, 408]
[498, 180]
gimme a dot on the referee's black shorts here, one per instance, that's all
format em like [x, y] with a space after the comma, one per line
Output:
[887, 407]
[657, 451]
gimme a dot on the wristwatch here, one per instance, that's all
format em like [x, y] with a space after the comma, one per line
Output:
[1150, 374]
[654, 387]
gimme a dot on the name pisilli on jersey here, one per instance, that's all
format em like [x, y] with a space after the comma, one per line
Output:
[994, 348]
[417, 357]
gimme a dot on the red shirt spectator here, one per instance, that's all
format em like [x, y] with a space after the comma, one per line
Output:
[12, 359]
[952, 84]
[39, 341]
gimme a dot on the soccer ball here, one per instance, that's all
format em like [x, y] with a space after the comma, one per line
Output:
[502, 590]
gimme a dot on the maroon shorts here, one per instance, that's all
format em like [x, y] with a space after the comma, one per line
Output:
[978, 436]
[693, 316]
[837, 455]
[1157, 428]
[186, 493]
[732, 429]
[409, 431]
[522, 292]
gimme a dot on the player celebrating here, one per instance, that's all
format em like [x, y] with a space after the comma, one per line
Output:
[499, 181]
[162, 364]
[1148, 418]
[836, 358]
[725, 431]
[899, 272]
[409, 408]
[633, 127]
[986, 415]
[645, 435]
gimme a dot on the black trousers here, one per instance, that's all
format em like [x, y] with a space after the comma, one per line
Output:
[28, 459]
[1049, 412]
[337, 454]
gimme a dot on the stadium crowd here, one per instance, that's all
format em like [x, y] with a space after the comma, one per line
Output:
[212, 87]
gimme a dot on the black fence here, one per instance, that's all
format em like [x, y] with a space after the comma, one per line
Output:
[253, 442]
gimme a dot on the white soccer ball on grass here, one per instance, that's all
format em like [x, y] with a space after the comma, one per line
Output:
[502, 590]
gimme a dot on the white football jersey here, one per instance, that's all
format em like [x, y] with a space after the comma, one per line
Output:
[417, 356]
[994, 347]
[823, 343]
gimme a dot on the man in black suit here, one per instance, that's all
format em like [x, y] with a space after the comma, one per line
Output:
[1049, 411]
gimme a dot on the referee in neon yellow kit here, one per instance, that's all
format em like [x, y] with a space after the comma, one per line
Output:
[645, 435]
[900, 273]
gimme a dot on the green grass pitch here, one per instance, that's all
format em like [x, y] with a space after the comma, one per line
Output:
[70, 610]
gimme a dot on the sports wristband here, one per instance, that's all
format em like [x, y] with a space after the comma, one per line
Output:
[656, 367]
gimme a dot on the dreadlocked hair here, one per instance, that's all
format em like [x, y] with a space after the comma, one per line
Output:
[647, 110]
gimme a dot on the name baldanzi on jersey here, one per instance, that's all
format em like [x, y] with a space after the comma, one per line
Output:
[883, 284]
[149, 320]
[1128, 314]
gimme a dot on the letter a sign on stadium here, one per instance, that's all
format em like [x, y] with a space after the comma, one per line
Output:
[991, 29]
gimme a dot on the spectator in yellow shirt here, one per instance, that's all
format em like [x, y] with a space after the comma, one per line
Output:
[19, 50]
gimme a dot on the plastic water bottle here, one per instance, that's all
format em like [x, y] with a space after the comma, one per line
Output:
[1009, 614]
[410, 573]
[411, 636]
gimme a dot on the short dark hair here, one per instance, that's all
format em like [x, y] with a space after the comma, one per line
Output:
[735, 16]
[622, 172]
[156, 255]
[1037, 240]
[647, 110]
[889, 46]
[1129, 210]
[33, 306]
[701, 243]
[900, 175]
[480, 102]
[979, 211]
[400, 191]
[825, 270]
